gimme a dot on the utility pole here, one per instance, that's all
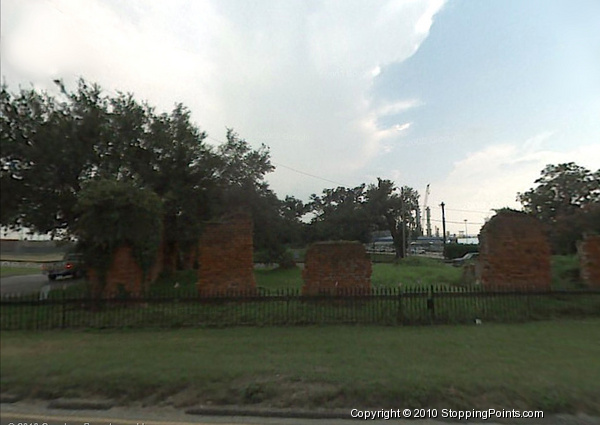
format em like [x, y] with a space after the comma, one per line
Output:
[444, 222]
[403, 224]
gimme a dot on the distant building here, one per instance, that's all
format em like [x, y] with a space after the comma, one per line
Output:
[469, 240]
[427, 244]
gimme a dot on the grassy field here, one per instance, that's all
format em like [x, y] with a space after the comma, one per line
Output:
[565, 272]
[56, 256]
[551, 366]
[413, 271]
[18, 271]
[410, 272]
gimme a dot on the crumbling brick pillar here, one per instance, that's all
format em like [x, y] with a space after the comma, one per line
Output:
[225, 256]
[170, 252]
[157, 267]
[336, 267]
[514, 253]
[190, 256]
[123, 277]
[589, 260]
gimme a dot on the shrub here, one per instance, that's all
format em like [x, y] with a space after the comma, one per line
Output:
[457, 250]
[113, 213]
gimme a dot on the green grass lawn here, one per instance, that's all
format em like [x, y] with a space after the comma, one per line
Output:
[55, 256]
[565, 272]
[551, 366]
[410, 272]
[18, 271]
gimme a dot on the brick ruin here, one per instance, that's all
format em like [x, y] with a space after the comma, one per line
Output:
[589, 259]
[225, 256]
[514, 253]
[124, 277]
[335, 267]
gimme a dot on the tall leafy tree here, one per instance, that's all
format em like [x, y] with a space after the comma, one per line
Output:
[49, 147]
[113, 213]
[241, 187]
[354, 213]
[52, 145]
[395, 210]
[561, 190]
[339, 214]
[567, 200]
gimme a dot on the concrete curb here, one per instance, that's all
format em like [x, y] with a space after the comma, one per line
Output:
[9, 398]
[269, 412]
[79, 404]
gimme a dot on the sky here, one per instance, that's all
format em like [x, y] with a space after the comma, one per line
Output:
[473, 98]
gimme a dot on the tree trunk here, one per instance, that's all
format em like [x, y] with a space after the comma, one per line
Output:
[396, 235]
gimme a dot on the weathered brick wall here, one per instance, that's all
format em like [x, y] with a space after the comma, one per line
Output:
[123, 275]
[589, 259]
[225, 256]
[514, 252]
[190, 257]
[170, 252]
[158, 265]
[336, 266]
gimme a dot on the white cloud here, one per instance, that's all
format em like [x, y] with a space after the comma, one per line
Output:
[402, 127]
[491, 178]
[398, 107]
[294, 75]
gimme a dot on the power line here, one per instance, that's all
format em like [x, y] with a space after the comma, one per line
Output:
[344, 185]
[294, 169]
[458, 222]
[310, 175]
[465, 211]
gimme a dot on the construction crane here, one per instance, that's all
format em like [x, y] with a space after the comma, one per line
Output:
[427, 219]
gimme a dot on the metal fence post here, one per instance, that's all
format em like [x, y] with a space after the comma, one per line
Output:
[431, 305]
[399, 312]
[63, 303]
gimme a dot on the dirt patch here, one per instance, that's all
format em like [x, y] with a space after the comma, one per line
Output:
[278, 392]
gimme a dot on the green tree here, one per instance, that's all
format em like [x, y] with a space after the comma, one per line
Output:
[567, 200]
[561, 190]
[113, 213]
[48, 149]
[394, 210]
[52, 146]
[354, 213]
[339, 214]
[241, 187]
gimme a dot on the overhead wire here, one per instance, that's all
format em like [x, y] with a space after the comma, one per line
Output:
[345, 185]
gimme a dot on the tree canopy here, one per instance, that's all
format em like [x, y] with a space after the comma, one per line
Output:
[354, 213]
[62, 154]
[567, 200]
[112, 213]
[561, 190]
[53, 145]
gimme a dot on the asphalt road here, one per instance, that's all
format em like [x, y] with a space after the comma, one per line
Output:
[39, 412]
[31, 284]
[126, 418]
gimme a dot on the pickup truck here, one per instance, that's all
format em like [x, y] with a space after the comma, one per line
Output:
[71, 265]
[457, 262]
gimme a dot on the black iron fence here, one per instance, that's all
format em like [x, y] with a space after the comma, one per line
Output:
[382, 306]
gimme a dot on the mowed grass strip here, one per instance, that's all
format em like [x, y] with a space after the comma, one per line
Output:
[36, 257]
[409, 272]
[551, 366]
[18, 271]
